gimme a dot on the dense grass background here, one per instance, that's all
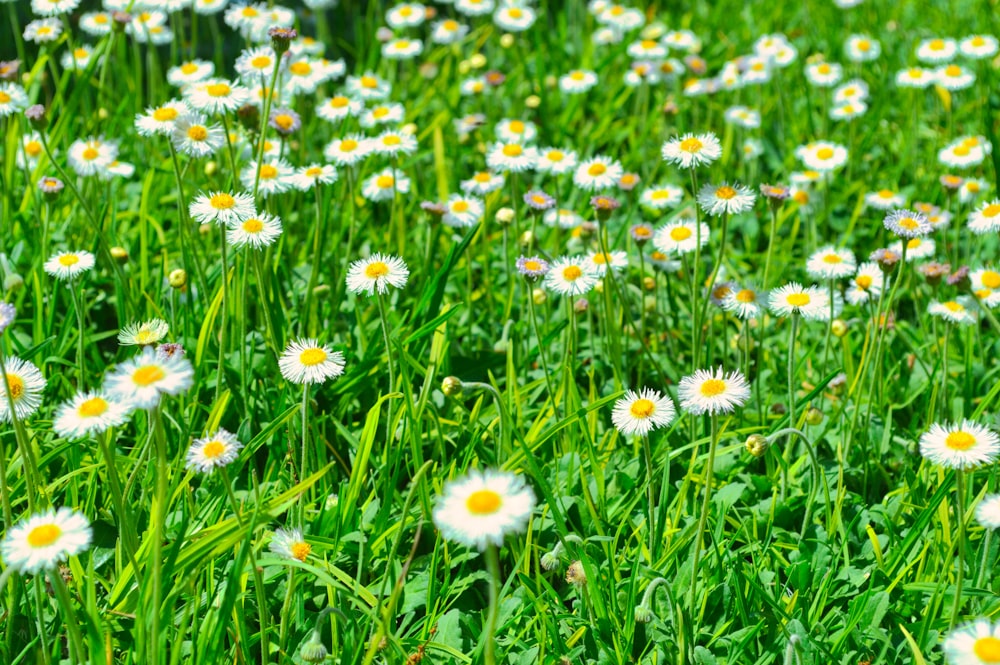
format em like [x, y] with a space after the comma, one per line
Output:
[871, 577]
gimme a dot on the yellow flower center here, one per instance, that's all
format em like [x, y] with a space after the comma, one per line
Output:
[823, 68]
[284, 121]
[680, 233]
[691, 145]
[533, 265]
[991, 279]
[249, 12]
[391, 140]
[300, 550]
[832, 258]
[987, 649]
[460, 206]
[909, 223]
[642, 232]
[148, 375]
[16, 386]
[516, 126]
[555, 155]
[725, 192]
[213, 449]
[960, 440]
[253, 226]
[4, 97]
[145, 336]
[597, 169]
[165, 114]
[746, 296]
[514, 12]
[340, 102]
[600, 259]
[44, 535]
[937, 45]
[962, 151]
[824, 153]
[798, 299]
[218, 89]
[44, 30]
[712, 387]
[384, 181]
[954, 306]
[268, 172]
[80, 53]
[261, 62]
[450, 26]
[886, 193]
[222, 201]
[406, 11]
[863, 45]
[642, 408]
[300, 68]
[992, 210]
[864, 282]
[69, 260]
[369, 82]
[93, 407]
[572, 273]
[577, 75]
[90, 154]
[512, 150]
[952, 70]
[101, 19]
[312, 357]
[314, 171]
[483, 502]
[197, 133]
[376, 269]
[482, 176]
[913, 243]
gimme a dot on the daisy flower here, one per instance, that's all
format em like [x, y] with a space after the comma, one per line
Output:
[823, 156]
[402, 49]
[482, 183]
[831, 263]
[971, 188]
[812, 303]
[975, 643]
[88, 156]
[907, 223]
[87, 414]
[462, 211]
[979, 47]
[848, 110]
[884, 199]
[393, 143]
[511, 156]
[914, 77]
[555, 161]
[193, 137]
[960, 446]
[43, 31]
[725, 199]
[577, 82]
[95, 24]
[532, 267]
[862, 48]
[313, 175]
[141, 380]
[366, 87]
[937, 50]
[23, 388]
[290, 544]
[222, 207]
[746, 302]
[516, 131]
[348, 151]
[406, 15]
[713, 392]
[988, 513]
[483, 507]
[42, 541]
[681, 237]
[384, 114]
[659, 197]
[256, 231]
[962, 154]
[824, 74]
[563, 218]
[598, 172]
[570, 275]
[690, 150]
[952, 311]
[276, 177]
[143, 334]
[954, 77]
[642, 412]
[384, 185]
[12, 99]
[209, 453]
[916, 248]
[743, 117]
[448, 32]
[305, 361]
[160, 120]
[214, 96]
[377, 273]
[69, 265]
[257, 63]
[514, 18]
[866, 284]
[599, 262]
[338, 107]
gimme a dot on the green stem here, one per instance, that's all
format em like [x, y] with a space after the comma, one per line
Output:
[960, 517]
[79, 654]
[703, 517]
[493, 569]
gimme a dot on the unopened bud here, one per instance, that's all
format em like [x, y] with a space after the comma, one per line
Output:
[451, 386]
[838, 327]
[178, 278]
[814, 416]
[648, 283]
[119, 254]
[507, 40]
[539, 296]
[211, 166]
[756, 444]
[643, 614]
[581, 306]
[505, 216]
[533, 101]
[477, 61]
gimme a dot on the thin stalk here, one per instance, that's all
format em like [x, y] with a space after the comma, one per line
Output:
[384, 317]
[81, 325]
[960, 517]
[703, 517]
[79, 654]
[493, 569]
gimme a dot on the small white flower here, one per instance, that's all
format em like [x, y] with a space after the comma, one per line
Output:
[87, 414]
[69, 265]
[377, 273]
[483, 507]
[713, 392]
[642, 412]
[42, 541]
[960, 446]
[306, 361]
[211, 452]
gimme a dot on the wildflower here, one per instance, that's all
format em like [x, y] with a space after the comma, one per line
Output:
[42, 541]
[483, 507]
[812, 303]
[986, 218]
[89, 156]
[600, 262]
[192, 136]
[555, 161]
[603, 206]
[960, 446]
[690, 150]
[746, 302]
[539, 200]
[725, 199]
[641, 233]
[681, 237]
[366, 87]
[577, 82]
[87, 414]
[305, 361]
[50, 187]
[659, 197]
[12, 99]
[823, 156]
[642, 412]
[831, 263]
[532, 267]
[936, 50]
[143, 334]
[952, 311]
[988, 513]
[271, 177]
[392, 143]
[43, 31]
[866, 284]
[69, 265]
[713, 392]
[964, 153]
[384, 114]
[221, 207]
[338, 107]
[290, 544]
[212, 452]
[563, 218]
[862, 48]
[22, 389]
[907, 223]
[347, 151]
[570, 275]
[143, 379]
[377, 273]
[979, 47]
[824, 74]
[284, 121]
[448, 32]
[313, 175]
[384, 185]
[514, 18]
[402, 49]
[8, 313]
[511, 156]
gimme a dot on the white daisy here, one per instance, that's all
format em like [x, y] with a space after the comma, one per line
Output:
[190, 72]
[307, 361]
[570, 275]
[907, 223]
[597, 173]
[69, 265]
[192, 136]
[831, 263]
[599, 261]
[681, 237]
[960, 446]
[914, 77]
[222, 207]
[42, 541]
[483, 507]
[812, 302]
[866, 284]
[143, 334]
[690, 150]
[348, 151]
[211, 452]
[577, 82]
[384, 185]
[975, 643]
[482, 183]
[823, 156]
[725, 199]
[952, 311]
[511, 156]
[377, 273]
[746, 302]
[160, 120]
[88, 156]
[659, 197]
[290, 544]
[462, 211]
[141, 380]
[885, 199]
[979, 47]
[275, 177]
[986, 218]
[256, 231]
[87, 414]
[988, 513]
[642, 412]
[713, 392]
[338, 107]
[937, 50]
[26, 385]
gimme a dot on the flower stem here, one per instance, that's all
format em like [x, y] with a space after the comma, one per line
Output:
[493, 568]
[703, 517]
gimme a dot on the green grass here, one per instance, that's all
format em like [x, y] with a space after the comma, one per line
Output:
[837, 545]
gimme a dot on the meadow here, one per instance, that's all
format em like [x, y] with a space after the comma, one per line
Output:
[499, 332]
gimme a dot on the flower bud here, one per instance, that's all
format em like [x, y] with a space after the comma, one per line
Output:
[178, 278]
[643, 614]
[575, 574]
[451, 386]
[526, 239]
[533, 101]
[581, 305]
[119, 254]
[12, 282]
[550, 561]
[281, 39]
[477, 61]
[313, 651]
[756, 444]
[211, 166]
[539, 296]
[464, 66]
[36, 117]
[838, 327]
[648, 283]
[505, 216]
[814, 416]
[507, 40]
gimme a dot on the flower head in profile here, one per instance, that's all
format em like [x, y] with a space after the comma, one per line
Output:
[642, 412]
[713, 391]
[964, 445]
[222, 207]
[290, 544]
[907, 223]
[307, 361]
[143, 334]
[746, 302]
[725, 199]
[212, 452]
[831, 263]
[143, 379]
[22, 389]
[44, 540]
[952, 311]
[89, 413]
[810, 302]
[377, 273]
[692, 150]
[532, 267]
[482, 508]
[988, 512]
[69, 265]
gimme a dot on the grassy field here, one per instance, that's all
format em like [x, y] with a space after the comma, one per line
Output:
[499, 331]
